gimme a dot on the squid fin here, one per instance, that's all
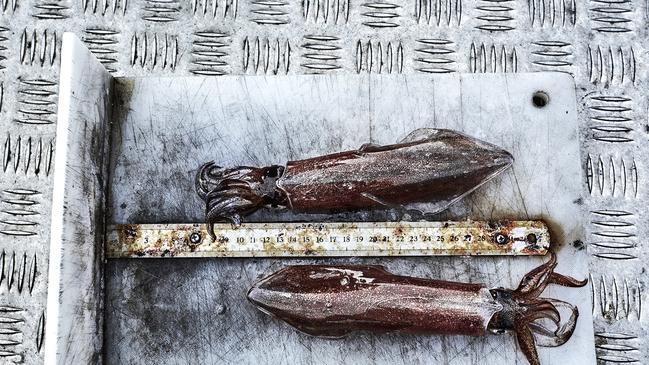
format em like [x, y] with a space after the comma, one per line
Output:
[380, 201]
[371, 147]
[419, 135]
[332, 333]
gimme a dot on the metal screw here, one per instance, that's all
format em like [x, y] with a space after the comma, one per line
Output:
[195, 238]
[531, 238]
[500, 238]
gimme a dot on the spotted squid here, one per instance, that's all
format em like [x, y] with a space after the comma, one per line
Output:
[333, 301]
[427, 171]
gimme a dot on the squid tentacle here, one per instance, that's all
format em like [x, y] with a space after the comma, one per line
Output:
[230, 192]
[564, 332]
[532, 309]
[527, 344]
[543, 311]
[535, 281]
[541, 332]
[567, 281]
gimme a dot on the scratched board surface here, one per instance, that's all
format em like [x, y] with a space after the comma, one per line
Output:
[603, 43]
[176, 310]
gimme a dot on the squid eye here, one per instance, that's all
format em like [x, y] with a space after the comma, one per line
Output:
[498, 292]
[498, 331]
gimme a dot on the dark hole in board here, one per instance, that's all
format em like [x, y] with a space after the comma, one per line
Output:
[540, 99]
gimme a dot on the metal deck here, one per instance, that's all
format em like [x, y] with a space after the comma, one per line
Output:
[603, 43]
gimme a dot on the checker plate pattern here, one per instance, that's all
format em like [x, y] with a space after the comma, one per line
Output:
[603, 43]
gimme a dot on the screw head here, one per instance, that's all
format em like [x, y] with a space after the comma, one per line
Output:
[500, 238]
[195, 238]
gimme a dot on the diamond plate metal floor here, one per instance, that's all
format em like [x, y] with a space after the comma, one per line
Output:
[603, 43]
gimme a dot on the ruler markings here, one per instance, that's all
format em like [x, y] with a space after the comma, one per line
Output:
[329, 239]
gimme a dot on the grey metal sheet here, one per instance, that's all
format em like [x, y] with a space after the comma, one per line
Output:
[602, 43]
[74, 306]
[160, 138]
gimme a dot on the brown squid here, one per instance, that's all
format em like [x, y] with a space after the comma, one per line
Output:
[333, 301]
[435, 167]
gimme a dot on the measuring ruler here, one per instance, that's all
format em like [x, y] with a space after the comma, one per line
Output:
[329, 239]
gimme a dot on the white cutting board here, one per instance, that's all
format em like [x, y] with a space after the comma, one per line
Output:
[258, 121]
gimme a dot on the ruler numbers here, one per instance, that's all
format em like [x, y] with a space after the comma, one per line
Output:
[245, 237]
[330, 239]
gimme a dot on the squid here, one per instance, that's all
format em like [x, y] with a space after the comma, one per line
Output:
[334, 301]
[428, 170]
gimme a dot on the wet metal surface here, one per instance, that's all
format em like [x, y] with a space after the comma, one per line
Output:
[603, 43]
[329, 239]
